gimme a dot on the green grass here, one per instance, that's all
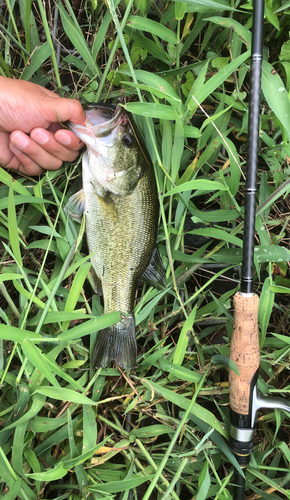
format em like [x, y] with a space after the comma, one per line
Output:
[160, 431]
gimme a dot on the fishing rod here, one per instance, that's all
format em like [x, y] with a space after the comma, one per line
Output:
[245, 400]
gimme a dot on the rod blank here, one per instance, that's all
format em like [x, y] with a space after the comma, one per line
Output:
[253, 146]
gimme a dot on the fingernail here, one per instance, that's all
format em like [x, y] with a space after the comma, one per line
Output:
[39, 136]
[63, 138]
[19, 140]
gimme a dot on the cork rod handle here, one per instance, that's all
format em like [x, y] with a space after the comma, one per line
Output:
[244, 351]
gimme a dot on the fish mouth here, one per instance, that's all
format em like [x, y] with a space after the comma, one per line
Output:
[104, 118]
[100, 122]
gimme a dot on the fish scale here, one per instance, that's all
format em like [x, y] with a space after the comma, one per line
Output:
[130, 244]
[119, 199]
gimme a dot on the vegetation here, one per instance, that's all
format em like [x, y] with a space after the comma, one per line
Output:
[160, 431]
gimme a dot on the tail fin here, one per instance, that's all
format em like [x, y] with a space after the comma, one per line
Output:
[118, 343]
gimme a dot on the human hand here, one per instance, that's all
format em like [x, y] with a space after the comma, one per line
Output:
[31, 138]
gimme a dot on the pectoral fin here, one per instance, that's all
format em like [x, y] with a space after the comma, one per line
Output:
[76, 205]
[154, 274]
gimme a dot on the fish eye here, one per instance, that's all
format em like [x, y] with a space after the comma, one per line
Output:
[128, 140]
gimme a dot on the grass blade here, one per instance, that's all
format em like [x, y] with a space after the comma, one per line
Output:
[12, 227]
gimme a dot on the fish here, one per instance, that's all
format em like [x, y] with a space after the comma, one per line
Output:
[120, 203]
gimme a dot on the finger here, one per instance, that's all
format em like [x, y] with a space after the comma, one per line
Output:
[25, 147]
[70, 109]
[46, 140]
[68, 139]
[30, 169]
[65, 137]
[63, 109]
[23, 163]
[7, 158]
[49, 155]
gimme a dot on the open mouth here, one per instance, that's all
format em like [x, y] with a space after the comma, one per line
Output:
[104, 118]
[102, 121]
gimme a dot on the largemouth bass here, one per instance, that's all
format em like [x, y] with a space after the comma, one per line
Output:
[119, 199]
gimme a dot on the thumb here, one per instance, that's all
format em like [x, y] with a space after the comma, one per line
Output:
[70, 109]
